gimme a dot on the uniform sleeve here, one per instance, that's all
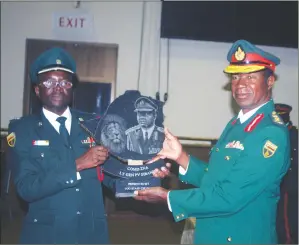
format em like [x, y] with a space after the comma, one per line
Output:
[250, 175]
[31, 181]
[195, 171]
[109, 182]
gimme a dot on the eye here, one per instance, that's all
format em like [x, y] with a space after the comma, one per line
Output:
[235, 77]
[49, 82]
[66, 84]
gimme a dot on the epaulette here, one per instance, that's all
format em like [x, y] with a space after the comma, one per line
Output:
[276, 118]
[132, 129]
[254, 122]
[82, 114]
[14, 120]
[160, 129]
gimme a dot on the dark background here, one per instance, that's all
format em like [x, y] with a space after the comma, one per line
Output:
[270, 23]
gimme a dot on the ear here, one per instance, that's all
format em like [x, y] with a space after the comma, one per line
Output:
[270, 82]
[36, 90]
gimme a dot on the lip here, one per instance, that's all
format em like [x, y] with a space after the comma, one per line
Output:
[243, 95]
[56, 97]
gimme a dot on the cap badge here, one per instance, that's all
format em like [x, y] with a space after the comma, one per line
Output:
[239, 54]
[58, 62]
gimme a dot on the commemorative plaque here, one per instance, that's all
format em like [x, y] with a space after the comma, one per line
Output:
[133, 132]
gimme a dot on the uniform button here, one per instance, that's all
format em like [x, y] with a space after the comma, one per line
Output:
[206, 169]
[78, 212]
[71, 181]
[217, 149]
[70, 147]
[291, 159]
[295, 149]
[42, 154]
[67, 182]
[229, 239]
[182, 215]
[77, 189]
[177, 216]
[35, 220]
[227, 158]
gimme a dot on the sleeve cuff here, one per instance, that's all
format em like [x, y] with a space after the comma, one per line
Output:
[168, 203]
[183, 171]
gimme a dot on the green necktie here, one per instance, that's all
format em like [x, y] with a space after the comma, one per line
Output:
[63, 131]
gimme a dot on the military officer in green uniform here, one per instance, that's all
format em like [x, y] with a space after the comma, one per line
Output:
[54, 162]
[287, 215]
[146, 137]
[238, 189]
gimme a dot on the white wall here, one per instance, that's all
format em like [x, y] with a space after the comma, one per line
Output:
[198, 106]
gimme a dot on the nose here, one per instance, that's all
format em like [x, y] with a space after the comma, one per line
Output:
[241, 82]
[58, 88]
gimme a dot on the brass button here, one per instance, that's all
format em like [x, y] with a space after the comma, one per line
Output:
[206, 169]
[217, 149]
[227, 158]
[229, 239]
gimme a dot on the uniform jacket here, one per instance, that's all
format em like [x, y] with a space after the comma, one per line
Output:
[62, 209]
[239, 187]
[287, 216]
[136, 143]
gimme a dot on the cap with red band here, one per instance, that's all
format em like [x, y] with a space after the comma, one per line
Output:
[244, 57]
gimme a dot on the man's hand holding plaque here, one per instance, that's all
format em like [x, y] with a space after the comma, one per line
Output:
[95, 156]
[172, 149]
[132, 131]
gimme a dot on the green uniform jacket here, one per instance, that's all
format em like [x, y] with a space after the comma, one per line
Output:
[240, 186]
[62, 209]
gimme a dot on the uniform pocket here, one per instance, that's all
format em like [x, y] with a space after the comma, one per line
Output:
[38, 228]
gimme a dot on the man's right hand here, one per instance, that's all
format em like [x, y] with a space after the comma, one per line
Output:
[95, 156]
[172, 149]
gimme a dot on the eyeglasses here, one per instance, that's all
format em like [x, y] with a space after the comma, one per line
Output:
[52, 83]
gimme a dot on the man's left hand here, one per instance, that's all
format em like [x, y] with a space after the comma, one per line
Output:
[152, 195]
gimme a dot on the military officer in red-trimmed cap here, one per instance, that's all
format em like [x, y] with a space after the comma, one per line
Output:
[287, 215]
[236, 192]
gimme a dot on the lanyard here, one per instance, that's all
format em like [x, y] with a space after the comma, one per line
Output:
[99, 168]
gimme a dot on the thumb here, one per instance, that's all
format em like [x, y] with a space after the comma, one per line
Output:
[168, 134]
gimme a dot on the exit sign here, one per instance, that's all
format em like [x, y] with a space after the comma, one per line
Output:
[72, 23]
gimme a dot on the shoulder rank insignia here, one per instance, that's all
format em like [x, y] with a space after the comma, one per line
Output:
[269, 149]
[11, 139]
[254, 122]
[276, 118]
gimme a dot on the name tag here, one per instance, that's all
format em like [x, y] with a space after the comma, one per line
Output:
[41, 142]
[235, 144]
